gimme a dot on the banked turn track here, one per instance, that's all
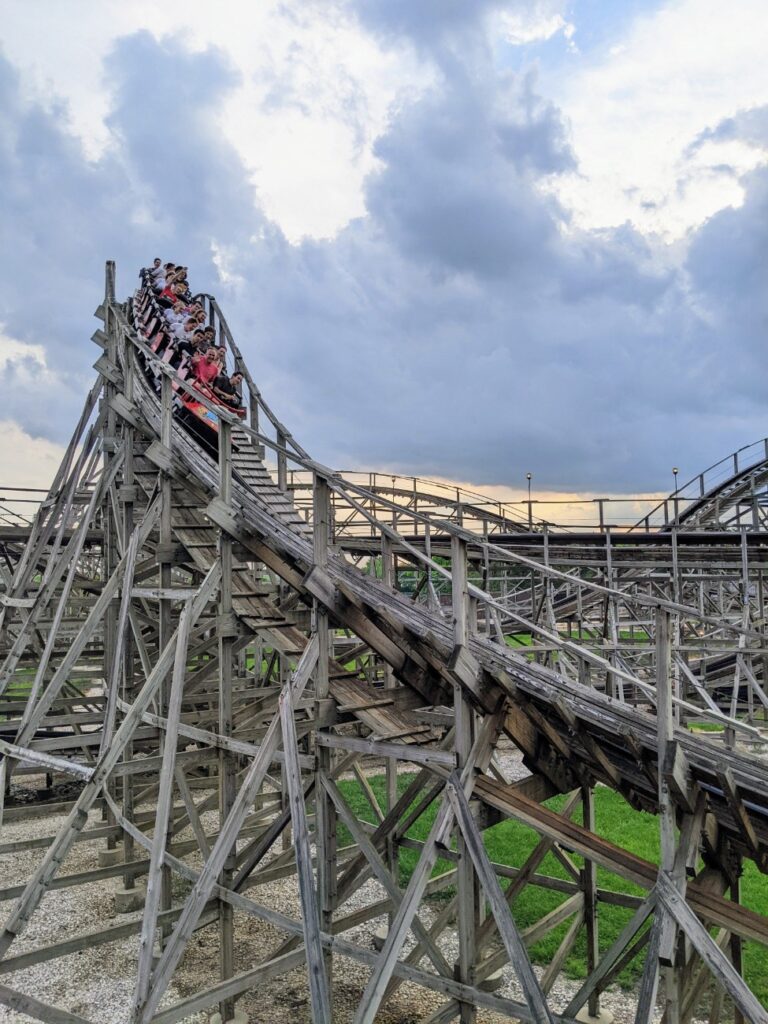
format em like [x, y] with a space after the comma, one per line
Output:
[247, 665]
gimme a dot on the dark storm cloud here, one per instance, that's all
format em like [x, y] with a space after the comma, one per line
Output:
[184, 173]
[57, 220]
[457, 191]
[462, 327]
[726, 263]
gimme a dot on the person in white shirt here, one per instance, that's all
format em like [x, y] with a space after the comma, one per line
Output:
[177, 315]
[184, 332]
[156, 268]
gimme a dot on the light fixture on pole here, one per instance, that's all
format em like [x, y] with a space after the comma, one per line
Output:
[528, 477]
[675, 471]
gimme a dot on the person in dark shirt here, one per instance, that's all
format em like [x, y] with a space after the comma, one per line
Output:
[227, 389]
[193, 344]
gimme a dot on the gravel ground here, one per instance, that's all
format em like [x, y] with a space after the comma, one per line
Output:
[98, 983]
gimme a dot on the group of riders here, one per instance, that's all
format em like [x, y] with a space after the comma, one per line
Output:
[183, 336]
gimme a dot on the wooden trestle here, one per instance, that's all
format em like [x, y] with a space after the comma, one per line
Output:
[201, 644]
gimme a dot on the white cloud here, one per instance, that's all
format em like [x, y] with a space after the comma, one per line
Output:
[12, 351]
[315, 89]
[25, 370]
[635, 110]
[535, 23]
[26, 461]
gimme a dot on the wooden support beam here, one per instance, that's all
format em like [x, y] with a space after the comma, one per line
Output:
[207, 881]
[152, 904]
[714, 957]
[384, 875]
[510, 936]
[35, 1008]
[605, 969]
[739, 811]
[466, 667]
[310, 912]
[381, 748]
[70, 829]
[401, 923]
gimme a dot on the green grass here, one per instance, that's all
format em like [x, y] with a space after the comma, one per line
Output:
[18, 688]
[510, 843]
[518, 639]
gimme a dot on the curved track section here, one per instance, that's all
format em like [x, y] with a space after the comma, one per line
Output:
[731, 494]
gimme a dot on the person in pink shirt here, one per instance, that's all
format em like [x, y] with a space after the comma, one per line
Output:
[206, 367]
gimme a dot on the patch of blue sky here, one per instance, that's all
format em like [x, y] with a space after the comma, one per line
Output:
[600, 24]
[597, 25]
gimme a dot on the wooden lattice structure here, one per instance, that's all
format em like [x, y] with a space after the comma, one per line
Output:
[234, 634]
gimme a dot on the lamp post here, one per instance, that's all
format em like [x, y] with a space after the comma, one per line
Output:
[528, 477]
[675, 471]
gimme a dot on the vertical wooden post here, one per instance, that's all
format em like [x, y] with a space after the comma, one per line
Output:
[746, 618]
[110, 550]
[485, 582]
[282, 466]
[549, 594]
[665, 725]
[468, 889]
[325, 813]
[253, 404]
[227, 769]
[128, 496]
[736, 941]
[459, 591]
[677, 591]
[589, 886]
[612, 612]
[164, 557]
[389, 684]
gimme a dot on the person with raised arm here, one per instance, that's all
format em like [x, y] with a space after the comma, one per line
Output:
[206, 367]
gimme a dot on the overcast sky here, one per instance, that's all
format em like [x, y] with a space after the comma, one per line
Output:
[465, 239]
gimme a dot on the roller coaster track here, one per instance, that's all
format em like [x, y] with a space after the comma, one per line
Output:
[247, 657]
[730, 494]
[716, 519]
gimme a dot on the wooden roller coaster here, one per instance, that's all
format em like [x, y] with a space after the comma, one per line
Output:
[196, 627]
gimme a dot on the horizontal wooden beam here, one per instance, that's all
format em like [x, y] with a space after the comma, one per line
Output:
[402, 751]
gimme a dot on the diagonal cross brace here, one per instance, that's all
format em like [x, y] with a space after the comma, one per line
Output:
[163, 810]
[208, 877]
[715, 959]
[384, 875]
[77, 817]
[510, 936]
[31, 721]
